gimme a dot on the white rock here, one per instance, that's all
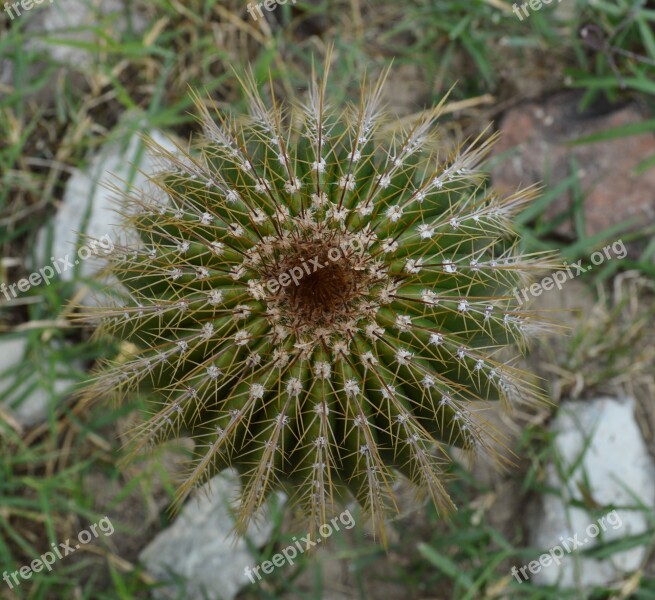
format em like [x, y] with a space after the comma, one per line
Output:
[88, 206]
[76, 20]
[199, 546]
[612, 462]
[23, 395]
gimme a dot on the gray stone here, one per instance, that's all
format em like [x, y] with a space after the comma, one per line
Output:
[91, 207]
[199, 546]
[75, 21]
[613, 468]
[23, 395]
[71, 34]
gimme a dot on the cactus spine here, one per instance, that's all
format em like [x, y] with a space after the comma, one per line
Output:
[319, 305]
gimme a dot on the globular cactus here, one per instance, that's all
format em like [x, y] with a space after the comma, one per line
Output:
[320, 304]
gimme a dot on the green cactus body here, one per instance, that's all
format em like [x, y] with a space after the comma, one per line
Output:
[318, 308]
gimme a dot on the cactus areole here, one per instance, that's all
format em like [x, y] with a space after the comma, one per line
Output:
[319, 300]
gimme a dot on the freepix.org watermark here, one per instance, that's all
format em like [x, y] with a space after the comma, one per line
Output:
[555, 554]
[289, 554]
[59, 551]
[59, 265]
[14, 10]
[533, 5]
[255, 10]
[559, 278]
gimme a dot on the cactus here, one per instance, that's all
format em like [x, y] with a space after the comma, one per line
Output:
[320, 304]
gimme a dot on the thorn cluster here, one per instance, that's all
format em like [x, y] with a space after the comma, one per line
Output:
[318, 306]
